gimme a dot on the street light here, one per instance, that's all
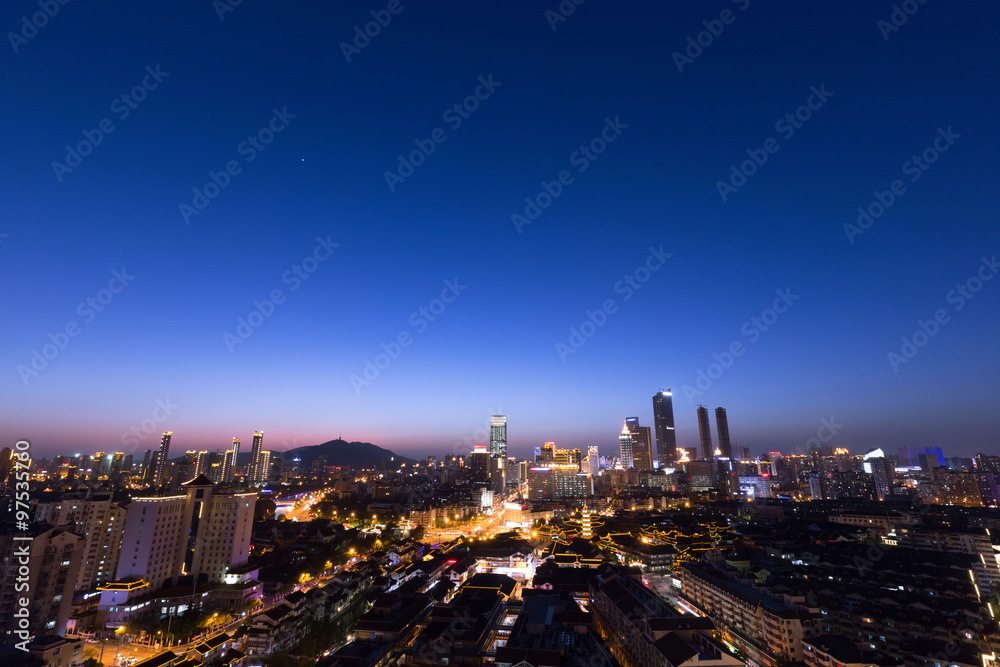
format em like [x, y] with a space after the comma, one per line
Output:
[119, 633]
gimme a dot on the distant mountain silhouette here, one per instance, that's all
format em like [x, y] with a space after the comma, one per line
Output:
[342, 453]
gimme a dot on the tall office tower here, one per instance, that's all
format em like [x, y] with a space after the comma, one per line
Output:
[625, 447]
[49, 566]
[512, 473]
[727, 477]
[229, 462]
[663, 422]
[642, 447]
[498, 436]
[479, 463]
[722, 422]
[497, 470]
[162, 460]
[253, 473]
[705, 431]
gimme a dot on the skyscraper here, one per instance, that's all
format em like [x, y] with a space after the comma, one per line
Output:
[625, 446]
[479, 463]
[705, 432]
[162, 460]
[642, 447]
[663, 423]
[146, 461]
[722, 422]
[201, 463]
[229, 461]
[884, 476]
[254, 472]
[264, 467]
[498, 436]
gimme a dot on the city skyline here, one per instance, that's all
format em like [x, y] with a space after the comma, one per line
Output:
[495, 431]
[395, 243]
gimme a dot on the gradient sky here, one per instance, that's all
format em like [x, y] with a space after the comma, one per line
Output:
[494, 348]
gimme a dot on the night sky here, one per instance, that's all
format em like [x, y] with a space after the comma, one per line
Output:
[596, 162]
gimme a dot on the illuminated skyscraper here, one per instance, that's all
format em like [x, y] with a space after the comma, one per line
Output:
[498, 436]
[201, 463]
[479, 462]
[162, 460]
[722, 422]
[663, 423]
[229, 462]
[254, 475]
[642, 446]
[705, 432]
[625, 446]
[264, 467]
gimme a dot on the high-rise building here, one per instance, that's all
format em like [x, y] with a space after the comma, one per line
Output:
[479, 464]
[497, 474]
[642, 446]
[722, 423]
[229, 462]
[557, 481]
[254, 472]
[162, 460]
[196, 532]
[264, 466]
[6, 465]
[96, 518]
[146, 462]
[149, 478]
[595, 457]
[512, 473]
[498, 436]
[705, 433]
[201, 463]
[884, 475]
[546, 453]
[49, 567]
[625, 447]
[663, 423]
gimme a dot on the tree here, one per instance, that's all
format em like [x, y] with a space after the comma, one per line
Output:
[264, 509]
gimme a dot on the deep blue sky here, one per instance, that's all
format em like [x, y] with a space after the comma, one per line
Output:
[494, 347]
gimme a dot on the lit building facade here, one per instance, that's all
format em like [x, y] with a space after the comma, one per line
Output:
[498, 436]
[161, 461]
[254, 473]
[663, 424]
[198, 532]
[99, 521]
